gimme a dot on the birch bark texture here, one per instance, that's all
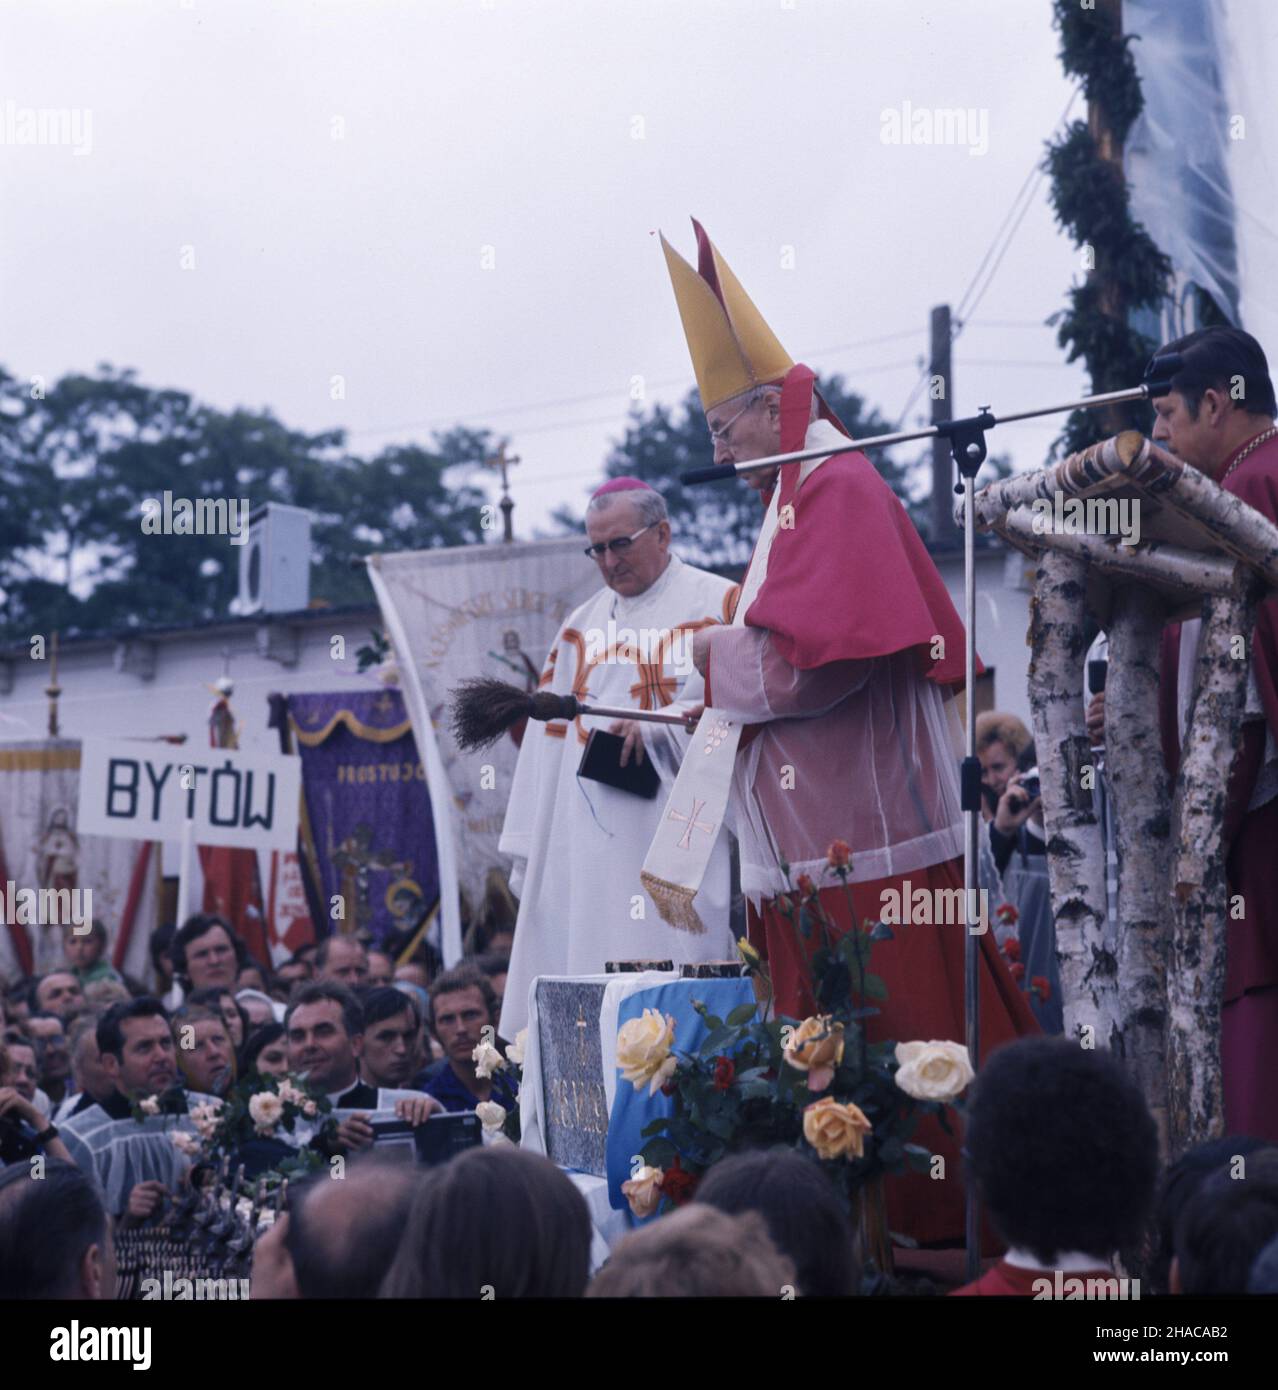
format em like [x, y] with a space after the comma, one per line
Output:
[1075, 851]
[1141, 794]
[1199, 892]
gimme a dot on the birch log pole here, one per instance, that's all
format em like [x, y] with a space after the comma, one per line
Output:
[1141, 796]
[1200, 895]
[1075, 852]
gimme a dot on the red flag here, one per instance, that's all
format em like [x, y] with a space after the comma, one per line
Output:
[232, 886]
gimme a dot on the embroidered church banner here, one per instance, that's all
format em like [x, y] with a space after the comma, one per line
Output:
[480, 610]
[367, 834]
[43, 848]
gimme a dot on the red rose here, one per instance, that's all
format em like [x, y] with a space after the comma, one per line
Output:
[1006, 912]
[1041, 988]
[668, 1089]
[677, 1184]
[1018, 971]
[1012, 948]
[840, 854]
[806, 886]
[725, 1069]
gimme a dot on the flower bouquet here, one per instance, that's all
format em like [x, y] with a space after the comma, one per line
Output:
[815, 1084]
[249, 1126]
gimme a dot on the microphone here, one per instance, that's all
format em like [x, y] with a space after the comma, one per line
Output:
[708, 475]
[1159, 371]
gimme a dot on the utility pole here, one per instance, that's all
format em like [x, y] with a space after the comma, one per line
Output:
[940, 370]
[1114, 418]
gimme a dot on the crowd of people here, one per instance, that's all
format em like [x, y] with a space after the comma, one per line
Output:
[1044, 1120]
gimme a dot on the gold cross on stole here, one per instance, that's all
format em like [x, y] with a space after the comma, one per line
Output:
[692, 823]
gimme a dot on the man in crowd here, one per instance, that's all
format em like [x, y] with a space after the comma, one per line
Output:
[381, 969]
[292, 973]
[325, 1029]
[205, 956]
[90, 1081]
[205, 1051]
[86, 954]
[55, 1236]
[24, 1071]
[830, 728]
[496, 967]
[59, 992]
[53, 1054]
[343, 959]
[392, 1026]
[135, 1167]
[577, 845]
[1064, 1154]
[463, 1012]
[337, 1239]
[1219, 417]
[1226, 1225]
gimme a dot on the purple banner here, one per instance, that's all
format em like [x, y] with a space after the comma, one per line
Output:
[367, 835]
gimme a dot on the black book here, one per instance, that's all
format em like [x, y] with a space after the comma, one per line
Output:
[601, 762]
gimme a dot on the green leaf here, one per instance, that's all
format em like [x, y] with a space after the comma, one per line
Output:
[743, 1013]
[874, 988]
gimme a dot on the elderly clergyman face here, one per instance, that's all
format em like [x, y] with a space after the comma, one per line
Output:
[628, 569]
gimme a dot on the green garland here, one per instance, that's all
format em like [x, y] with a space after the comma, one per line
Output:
[1092, 203]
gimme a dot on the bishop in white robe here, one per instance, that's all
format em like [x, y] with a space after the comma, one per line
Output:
[578, 844]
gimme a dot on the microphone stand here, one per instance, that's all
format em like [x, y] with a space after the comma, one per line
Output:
[968, 446]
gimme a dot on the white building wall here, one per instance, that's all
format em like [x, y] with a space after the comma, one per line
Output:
[99, 700]
[1003, 579]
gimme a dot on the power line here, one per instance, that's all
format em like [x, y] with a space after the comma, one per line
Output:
[1015, 216]
[440, 421]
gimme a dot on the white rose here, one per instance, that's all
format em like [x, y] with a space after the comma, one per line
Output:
[487, 1060]
[150, 1106]
[266, 1111]
[515, 1052]
[491, 1115]
[309, 1108]
[643, 1191]
[643, 1050]
[185, 1143]
[290, 1094]
[933, 1070]
[204, 1118]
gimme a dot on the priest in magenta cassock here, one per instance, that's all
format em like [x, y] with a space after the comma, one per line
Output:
[1232, 438]
[578, 843]
[831, 694]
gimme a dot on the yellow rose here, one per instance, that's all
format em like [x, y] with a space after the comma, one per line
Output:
[933, 1070]
[816, 1046]
[835, 1130]
[643, 1191]
[643, 1050]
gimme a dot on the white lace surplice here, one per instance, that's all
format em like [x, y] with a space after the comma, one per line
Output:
[861, 751]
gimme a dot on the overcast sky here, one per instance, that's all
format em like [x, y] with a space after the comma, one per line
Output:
[477, 245]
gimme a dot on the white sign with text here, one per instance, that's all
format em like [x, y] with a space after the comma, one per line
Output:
[145, 791]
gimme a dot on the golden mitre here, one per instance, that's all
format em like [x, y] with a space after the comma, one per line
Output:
[731, 345]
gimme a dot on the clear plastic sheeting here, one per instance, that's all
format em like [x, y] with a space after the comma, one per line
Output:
[860, 751]
[1200, 158]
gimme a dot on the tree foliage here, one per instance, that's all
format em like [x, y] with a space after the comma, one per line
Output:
[78, 460]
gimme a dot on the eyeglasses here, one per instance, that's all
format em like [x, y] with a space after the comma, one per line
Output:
[720, 434]
[595, 552]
